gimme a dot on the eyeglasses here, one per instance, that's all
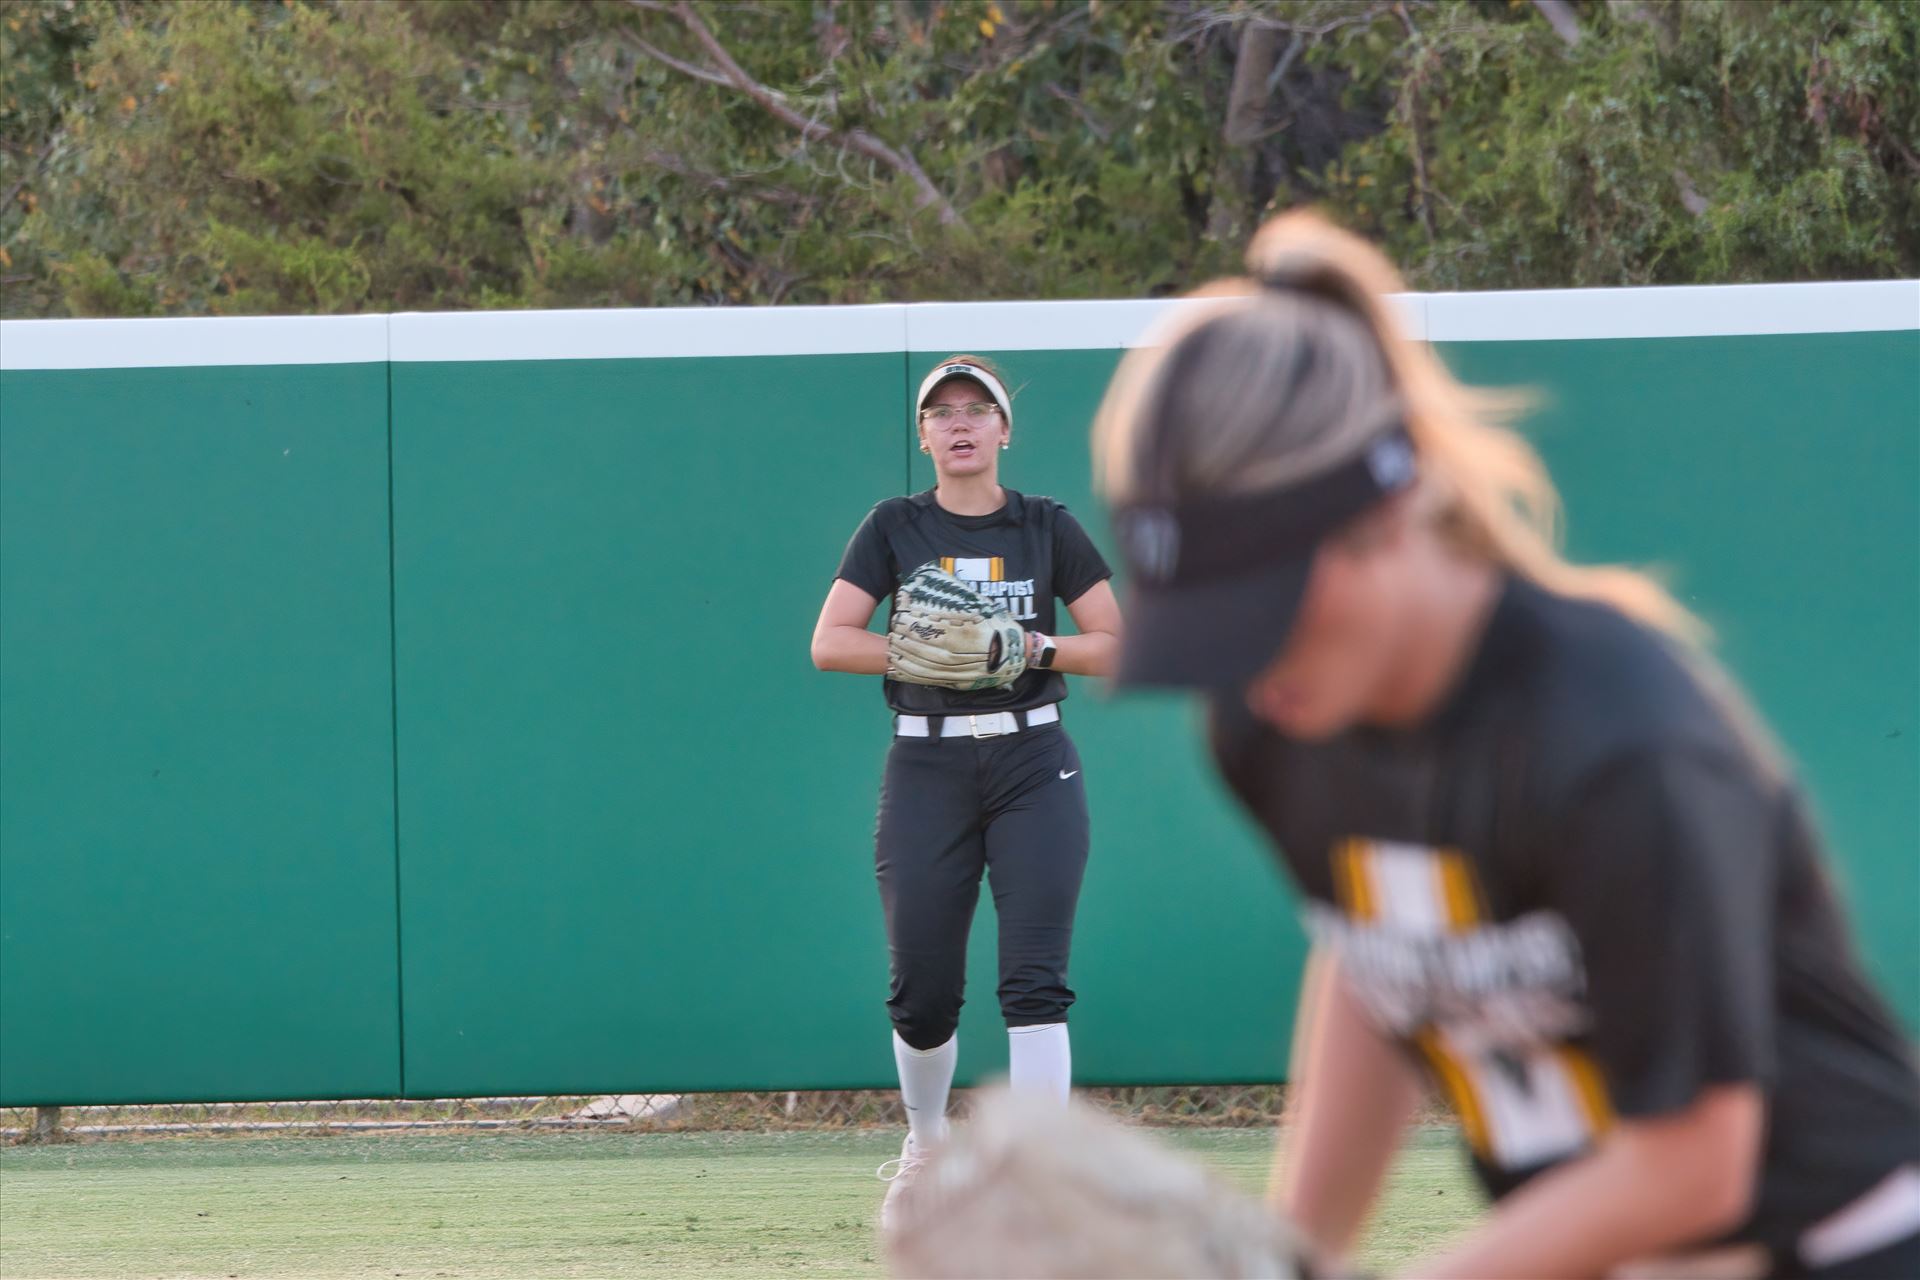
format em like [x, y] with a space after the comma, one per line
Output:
[942, 414]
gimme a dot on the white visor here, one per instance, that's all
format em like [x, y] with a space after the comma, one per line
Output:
[961, 369]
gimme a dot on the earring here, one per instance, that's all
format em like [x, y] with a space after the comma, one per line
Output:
[1005, 447]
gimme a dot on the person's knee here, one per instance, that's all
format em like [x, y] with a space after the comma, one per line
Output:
[925, 1012]
[1029, 996]
[925, 1029]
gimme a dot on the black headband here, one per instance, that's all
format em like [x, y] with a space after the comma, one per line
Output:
[1203, 539]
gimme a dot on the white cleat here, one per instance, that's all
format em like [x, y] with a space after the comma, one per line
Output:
[899, 1175]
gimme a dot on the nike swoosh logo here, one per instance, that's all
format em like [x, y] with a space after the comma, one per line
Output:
[1064, 775]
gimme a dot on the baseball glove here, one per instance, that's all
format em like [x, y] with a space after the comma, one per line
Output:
[947, 634]
[1035, 1190]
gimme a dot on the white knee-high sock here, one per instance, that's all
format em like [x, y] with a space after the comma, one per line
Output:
[926, 1077]
[1040, 1059]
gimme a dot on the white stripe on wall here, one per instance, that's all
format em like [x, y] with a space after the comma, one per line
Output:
[150, 344]
[1684, 311]
[642, 333]
[942, 327]
[938, 328]
[935, 327]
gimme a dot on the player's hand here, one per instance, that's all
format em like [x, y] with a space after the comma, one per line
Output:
[944, 633]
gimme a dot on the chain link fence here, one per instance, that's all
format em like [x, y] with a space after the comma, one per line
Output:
[1226, 1106]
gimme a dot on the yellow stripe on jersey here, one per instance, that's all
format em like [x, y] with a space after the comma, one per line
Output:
[1458, 1087]
[1351, 879]
[1590, 1087]
[1459, 894]
[999, 569]
[946, 564]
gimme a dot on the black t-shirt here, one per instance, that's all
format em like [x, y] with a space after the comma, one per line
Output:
[1026, 554]
[1585, 889]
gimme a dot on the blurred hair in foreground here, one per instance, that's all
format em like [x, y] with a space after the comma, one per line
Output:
[1283, 373]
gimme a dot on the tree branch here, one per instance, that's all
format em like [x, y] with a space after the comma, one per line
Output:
[1079, 109]
[1202, 21]
[832, 36]
[53, 147]
[728, 72]
[1246, 100]
[1690, 198]
[1559, 15]
[738, 185]
[13, 192]
[1416, 72]
[684, 68]
[1906, 153]
[1631, 11]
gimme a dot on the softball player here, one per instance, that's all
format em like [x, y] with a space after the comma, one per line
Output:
[1550, 861]
[981, 775]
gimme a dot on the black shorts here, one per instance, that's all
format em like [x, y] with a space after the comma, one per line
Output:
[951, 808]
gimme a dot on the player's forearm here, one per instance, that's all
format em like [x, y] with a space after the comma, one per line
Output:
[1355, 1096]
[851, 649]
[1092, 653]
[1652, 1188]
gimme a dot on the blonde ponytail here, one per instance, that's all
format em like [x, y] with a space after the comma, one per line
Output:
[1238, 358]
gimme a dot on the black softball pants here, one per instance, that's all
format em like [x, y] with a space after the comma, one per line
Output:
[1014, 807]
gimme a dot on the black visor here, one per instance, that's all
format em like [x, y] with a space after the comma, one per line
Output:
[1217, 582]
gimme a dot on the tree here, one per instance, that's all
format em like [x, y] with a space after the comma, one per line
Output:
[333, 156]
[1655, 143]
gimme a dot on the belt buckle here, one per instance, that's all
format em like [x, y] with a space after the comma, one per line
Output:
[973, 725]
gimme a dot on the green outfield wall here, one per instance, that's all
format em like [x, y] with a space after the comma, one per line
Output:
[419, 705]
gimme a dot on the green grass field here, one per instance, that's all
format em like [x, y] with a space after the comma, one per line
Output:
[711, 1205]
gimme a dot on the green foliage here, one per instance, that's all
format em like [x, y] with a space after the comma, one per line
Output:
[230, 157]
[1789, 128]
[245, 159]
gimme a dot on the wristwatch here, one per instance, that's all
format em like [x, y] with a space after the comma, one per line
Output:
[1044, 660]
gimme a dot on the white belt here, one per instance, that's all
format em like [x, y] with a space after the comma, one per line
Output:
[989, 724]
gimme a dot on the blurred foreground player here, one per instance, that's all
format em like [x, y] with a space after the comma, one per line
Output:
[1552, 862]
